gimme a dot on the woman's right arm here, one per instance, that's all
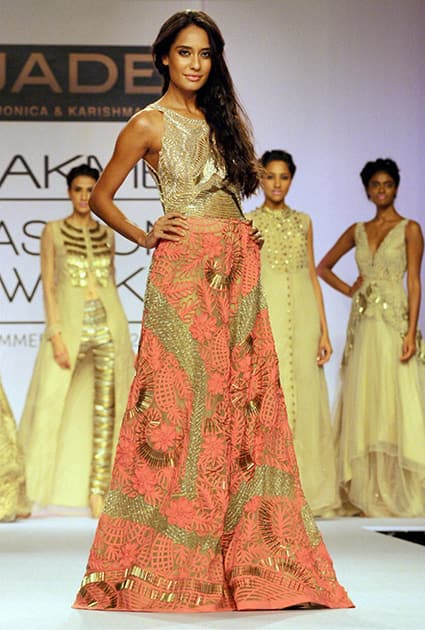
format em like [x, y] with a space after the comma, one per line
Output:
[139, 138]
[324, 269]
[48, 280]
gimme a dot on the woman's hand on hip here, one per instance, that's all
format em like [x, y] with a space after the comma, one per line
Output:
[354, 287]
[170, 227]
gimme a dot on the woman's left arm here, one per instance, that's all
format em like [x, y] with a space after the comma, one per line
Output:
[324, 350]
[414, 250]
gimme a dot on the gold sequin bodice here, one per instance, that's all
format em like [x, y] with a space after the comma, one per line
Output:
[285, 237]
[191, 176]
[88, 254]
[381, 295]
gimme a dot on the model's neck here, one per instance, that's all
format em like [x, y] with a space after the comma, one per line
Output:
[273, 205]
[181, 100]
[386, 213]
[81, 220]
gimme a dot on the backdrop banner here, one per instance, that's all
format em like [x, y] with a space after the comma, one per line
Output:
[83, 83]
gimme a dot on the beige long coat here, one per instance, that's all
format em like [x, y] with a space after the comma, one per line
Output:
[56, 427]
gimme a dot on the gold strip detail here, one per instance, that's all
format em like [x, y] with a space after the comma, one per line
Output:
[248, 310]
[99, 237]
[219, 280]
[266, 481]
[143, 403]
[311, 528]
[156, 459]
[98, 576]
[73, 243]
[105, 253]
[72, 227]
[73, 252]
[107, 591]
[294, 576]
[146, 585]
[72, 237]
[118, 505]
[175, 336]
[168, 585]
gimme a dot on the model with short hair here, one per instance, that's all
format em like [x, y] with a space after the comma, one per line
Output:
[300, 331]
[380, 415]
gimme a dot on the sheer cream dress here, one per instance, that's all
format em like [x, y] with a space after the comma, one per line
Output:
[380, 413]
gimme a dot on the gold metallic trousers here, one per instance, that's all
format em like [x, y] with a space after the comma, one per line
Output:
[96, 339]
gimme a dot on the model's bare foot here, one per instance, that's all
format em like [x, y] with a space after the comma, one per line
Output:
[96, 502]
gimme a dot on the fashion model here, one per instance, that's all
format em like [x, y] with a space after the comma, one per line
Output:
[380, 415]
[300, 331]
[84, 367]
[205, 511]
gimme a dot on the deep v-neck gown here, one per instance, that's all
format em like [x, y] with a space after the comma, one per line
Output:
[380, 414]
[205, 510]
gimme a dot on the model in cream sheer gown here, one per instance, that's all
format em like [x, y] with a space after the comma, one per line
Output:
[84, 367]
[299, 329]
[380, 415]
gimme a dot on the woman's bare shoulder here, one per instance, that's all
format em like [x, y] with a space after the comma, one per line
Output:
[144, 129]
[413, 226]
[413, 229]
[147, 120]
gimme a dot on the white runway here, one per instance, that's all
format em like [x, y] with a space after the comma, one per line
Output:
[43, 559]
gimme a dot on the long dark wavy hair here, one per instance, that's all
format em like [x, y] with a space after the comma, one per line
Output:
[228, 122]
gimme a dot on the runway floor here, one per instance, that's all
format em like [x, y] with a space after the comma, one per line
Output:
[43, 559]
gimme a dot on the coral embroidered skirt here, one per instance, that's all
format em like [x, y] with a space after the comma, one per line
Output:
[205, 511]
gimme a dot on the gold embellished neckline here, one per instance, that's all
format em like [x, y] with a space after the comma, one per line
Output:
[92, 228]
[285, 211]
[173, 111]
[285, 238]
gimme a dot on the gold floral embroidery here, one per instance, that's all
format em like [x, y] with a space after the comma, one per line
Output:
[119, 505]
[310, 526]
[266, 481]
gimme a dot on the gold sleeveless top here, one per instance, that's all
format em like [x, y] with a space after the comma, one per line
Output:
[191, 176]
[285, 238]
